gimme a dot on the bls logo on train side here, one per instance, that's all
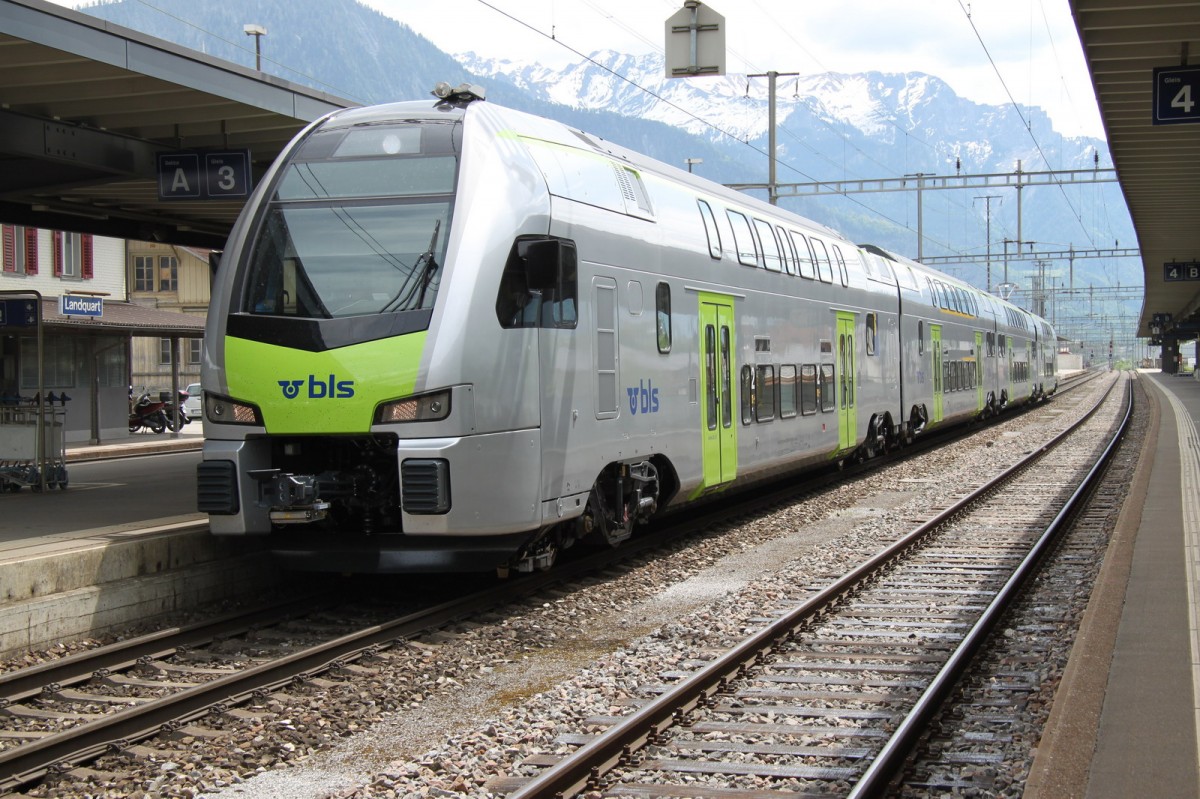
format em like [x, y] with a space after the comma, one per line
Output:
[643, 398]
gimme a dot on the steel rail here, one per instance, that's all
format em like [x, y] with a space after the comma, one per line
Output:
[16, 686]
[29, 762]
[572, 774]
[891, 758]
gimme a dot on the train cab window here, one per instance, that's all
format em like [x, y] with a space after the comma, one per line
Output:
[662, 305]
[710, 229]
[841, 263]
[825, 389]
[824, 270]
[808, 389]
[770, 246]
[747, 394]
[787, 391]
[764, 405]
[743, 238]
[804, 256]
[872, 332]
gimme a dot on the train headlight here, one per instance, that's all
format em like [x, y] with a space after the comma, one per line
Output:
[425, 408]
[224, 410]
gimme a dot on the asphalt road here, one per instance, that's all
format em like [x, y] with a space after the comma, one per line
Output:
[102, 494]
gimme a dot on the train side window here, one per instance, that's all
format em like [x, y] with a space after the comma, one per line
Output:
[804, 256]
[1002, 344]
[747, 394]
[770, 246]
[662, 304]
[710, 229]
[788, 249]
[991, 345]
[539, 285]
[764, 407]
[841, 262]
[921, 337]
[808, 389]
[825, 389]
[787, 391]
[743, 238]
[872, 332]
[823, 268]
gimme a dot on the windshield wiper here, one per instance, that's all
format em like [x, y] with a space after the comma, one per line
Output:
[424, 269]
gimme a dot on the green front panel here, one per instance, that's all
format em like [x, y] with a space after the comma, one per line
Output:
[979, 370]
[718, 445]
[335, 391]
[935, 348]
[847, 399]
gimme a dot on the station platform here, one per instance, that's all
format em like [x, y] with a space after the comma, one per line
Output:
[189, 438]
[1126, 718]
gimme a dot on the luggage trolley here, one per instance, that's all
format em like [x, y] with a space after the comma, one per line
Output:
[20, 465]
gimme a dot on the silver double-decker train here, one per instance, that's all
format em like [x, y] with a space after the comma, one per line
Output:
[446, 335]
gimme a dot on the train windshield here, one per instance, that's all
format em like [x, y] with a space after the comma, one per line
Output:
[358, 224]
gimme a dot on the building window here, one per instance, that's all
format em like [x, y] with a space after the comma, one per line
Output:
[20, 248]
[164, 350]
[72, 255]
[168, 273]
[195, 350]
[143, 273]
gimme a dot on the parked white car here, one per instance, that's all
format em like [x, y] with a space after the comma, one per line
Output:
[193, 406]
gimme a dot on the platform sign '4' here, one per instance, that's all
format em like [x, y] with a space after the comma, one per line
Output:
[1175, 93]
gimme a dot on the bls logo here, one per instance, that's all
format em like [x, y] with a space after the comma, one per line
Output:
[643, 398]
[319, 389]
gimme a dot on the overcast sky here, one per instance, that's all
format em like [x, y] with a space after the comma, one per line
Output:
[1033, 43]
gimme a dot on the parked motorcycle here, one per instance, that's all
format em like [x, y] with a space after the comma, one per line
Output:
[146, 413]
[174, 410]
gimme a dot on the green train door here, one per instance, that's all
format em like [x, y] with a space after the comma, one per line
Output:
[847, 418]
[935, 348]
[979, 370]
[718, 431]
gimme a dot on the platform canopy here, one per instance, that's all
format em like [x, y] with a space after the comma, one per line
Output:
[1155, 145]
[87, 107]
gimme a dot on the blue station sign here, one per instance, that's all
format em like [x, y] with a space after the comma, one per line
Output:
[76, 305]
[200, 175]
[1176, 95]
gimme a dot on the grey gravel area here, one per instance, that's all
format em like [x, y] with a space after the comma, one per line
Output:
[444, 716]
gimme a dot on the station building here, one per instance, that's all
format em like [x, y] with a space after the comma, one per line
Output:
[152, 300]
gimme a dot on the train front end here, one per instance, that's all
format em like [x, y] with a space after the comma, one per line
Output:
[336, 413]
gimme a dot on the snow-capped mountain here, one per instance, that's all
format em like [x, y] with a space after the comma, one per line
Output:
[883, 109]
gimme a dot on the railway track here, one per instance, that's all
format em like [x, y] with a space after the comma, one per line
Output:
[70, 711]
[829, 697]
